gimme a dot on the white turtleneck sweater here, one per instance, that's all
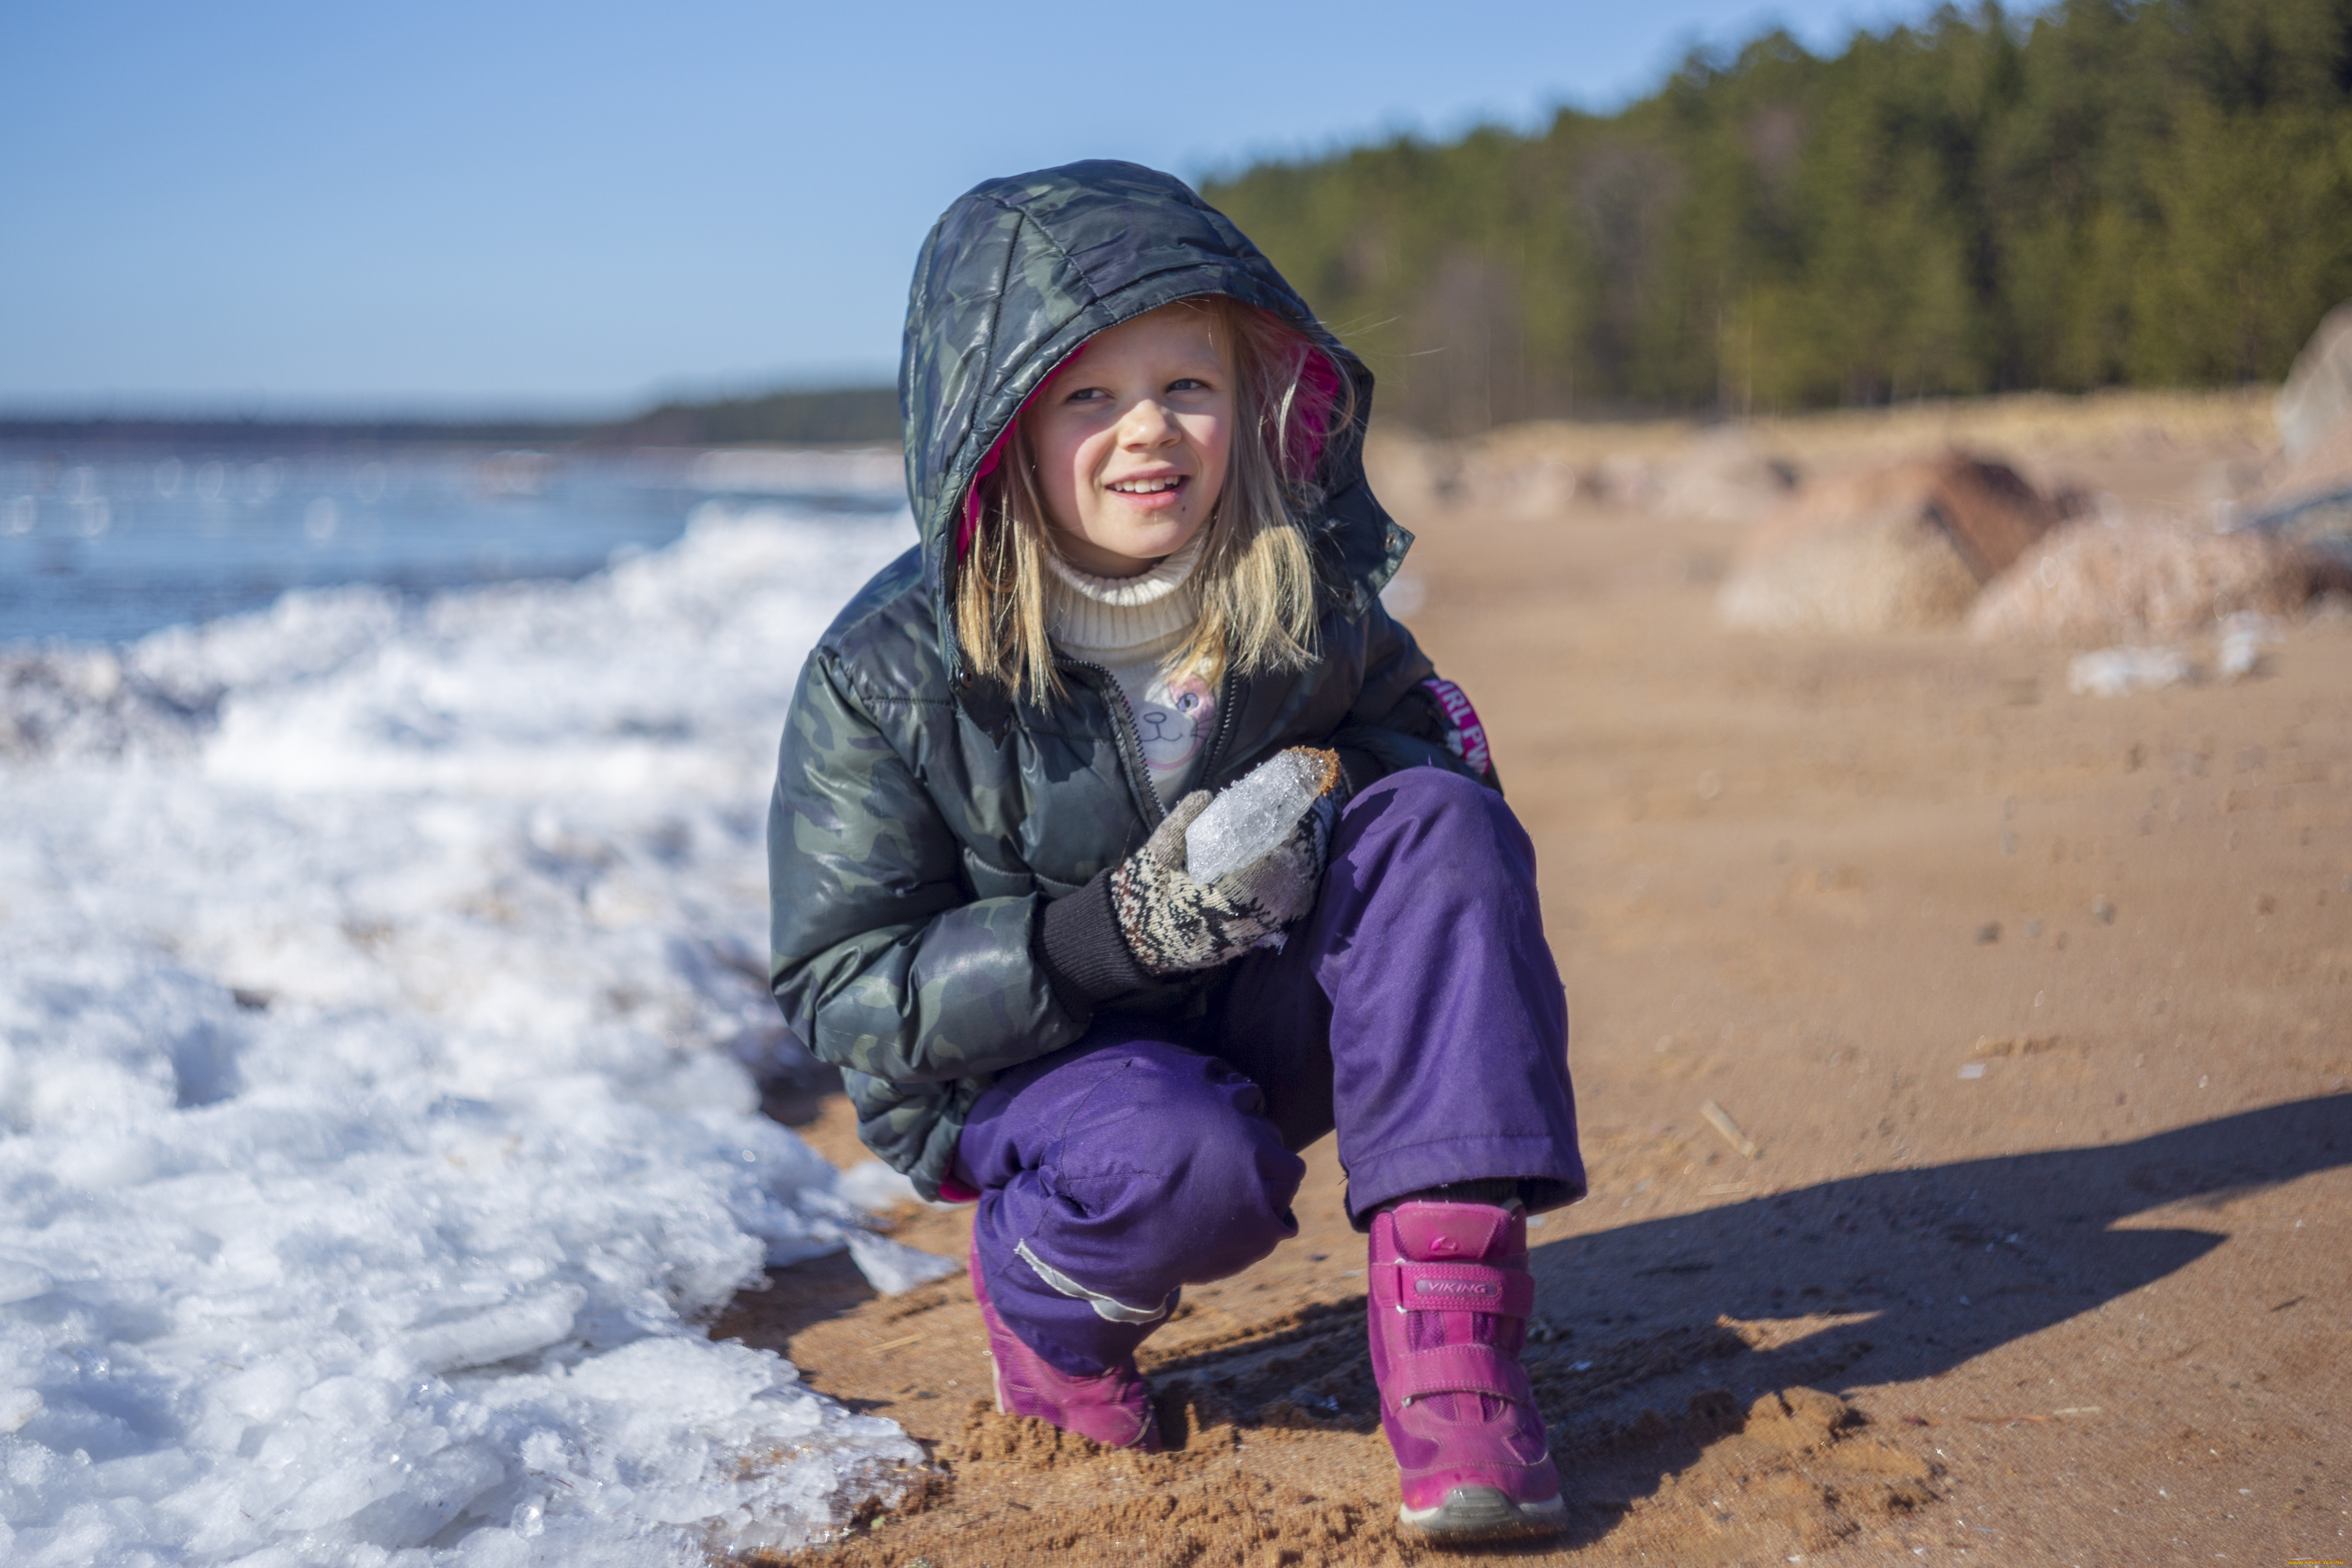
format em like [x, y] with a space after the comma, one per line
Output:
[1130, 626]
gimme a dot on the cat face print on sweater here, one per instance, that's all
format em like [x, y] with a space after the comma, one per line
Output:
[1174, 721]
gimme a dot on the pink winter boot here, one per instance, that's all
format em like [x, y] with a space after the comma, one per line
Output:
[1113, 1407]
[1450, 1294]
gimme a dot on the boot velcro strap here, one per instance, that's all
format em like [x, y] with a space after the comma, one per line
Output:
[1458, 1369]
[1459, 1287]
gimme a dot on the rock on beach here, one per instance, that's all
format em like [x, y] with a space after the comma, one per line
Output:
[1889, 548]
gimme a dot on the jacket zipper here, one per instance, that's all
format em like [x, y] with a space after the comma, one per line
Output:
[1129, 748]
[1224, 727]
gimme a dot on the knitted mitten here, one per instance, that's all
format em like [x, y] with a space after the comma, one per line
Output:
[1172, 923]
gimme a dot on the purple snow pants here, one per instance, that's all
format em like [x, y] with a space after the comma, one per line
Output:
[1417, 1010]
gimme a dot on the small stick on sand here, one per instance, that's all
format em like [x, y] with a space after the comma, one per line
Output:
[1720, 1120]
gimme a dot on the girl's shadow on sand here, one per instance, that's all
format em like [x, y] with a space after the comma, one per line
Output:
[1880, 1278]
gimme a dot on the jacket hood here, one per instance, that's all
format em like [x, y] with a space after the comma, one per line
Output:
[1019, 273]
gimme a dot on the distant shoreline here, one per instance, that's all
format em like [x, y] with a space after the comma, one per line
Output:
[839, 416]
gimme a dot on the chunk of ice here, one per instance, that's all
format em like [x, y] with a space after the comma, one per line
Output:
[2243, 637]
[499, 1334]
[1250, 818]
[22, 1281]
[893, 1268]
[876, 1187]
[2120, 671]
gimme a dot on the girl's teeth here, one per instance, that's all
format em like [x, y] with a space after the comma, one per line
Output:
[1145, 487]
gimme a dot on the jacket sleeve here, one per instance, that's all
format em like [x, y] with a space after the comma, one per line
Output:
[1406, 715]
[882, 960]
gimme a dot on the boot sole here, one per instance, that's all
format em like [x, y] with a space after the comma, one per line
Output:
[1471, 1513]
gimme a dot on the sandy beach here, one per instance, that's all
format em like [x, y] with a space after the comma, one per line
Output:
[1962, 1065]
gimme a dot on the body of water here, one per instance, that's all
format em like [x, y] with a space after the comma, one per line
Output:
[100, 544]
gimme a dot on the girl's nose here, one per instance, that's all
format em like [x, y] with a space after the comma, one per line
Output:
[1147, 424]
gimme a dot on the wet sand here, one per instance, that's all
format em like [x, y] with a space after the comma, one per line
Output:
[2036, 1010]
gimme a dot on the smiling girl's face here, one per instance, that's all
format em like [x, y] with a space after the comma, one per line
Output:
[1131, 441]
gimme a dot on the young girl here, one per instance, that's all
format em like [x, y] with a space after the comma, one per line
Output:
[1150, 562]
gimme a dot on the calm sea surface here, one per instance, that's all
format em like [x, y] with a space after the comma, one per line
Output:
[105, 545]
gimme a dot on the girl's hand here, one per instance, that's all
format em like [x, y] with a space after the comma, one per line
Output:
[1172, 923]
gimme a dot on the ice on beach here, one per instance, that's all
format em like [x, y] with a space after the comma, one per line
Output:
[887, 1265]
[1253, 817]
[876, 1187]
[2120, 671]
[381, 987]
[893, 1269]
[2238, 653]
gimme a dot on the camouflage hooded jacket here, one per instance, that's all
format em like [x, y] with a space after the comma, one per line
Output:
[922, 820]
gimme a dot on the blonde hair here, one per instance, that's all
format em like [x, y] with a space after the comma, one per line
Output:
[1256, 577]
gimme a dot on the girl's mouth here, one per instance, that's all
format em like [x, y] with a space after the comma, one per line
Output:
[1153, 493]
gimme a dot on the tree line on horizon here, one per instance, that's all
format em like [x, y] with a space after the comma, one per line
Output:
[2108, 193]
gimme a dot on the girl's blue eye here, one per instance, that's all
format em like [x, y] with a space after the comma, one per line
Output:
[1187, 384]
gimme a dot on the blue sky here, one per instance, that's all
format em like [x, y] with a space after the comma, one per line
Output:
[498, 204]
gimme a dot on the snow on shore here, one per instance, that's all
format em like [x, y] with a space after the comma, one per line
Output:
[376, 989]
